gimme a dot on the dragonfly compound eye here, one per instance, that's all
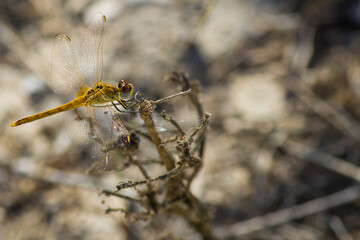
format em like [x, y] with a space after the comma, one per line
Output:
[126, 89]
[124, 86]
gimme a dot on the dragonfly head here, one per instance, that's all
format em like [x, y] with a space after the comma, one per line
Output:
[126, 89]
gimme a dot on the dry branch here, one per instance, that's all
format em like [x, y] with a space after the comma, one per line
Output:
[320, 158]
[289, 214]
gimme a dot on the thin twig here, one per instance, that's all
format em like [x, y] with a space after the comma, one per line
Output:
[156, 102]
[147, 162]
[340, 119]
[285, 215]
[339, 229]
[200, 128]
[112, 193]
[173, 122]
[133, 216]
[203, 124]
[325, 160]
[151, 195]
[196, 102]
[141, 133]
[171, 139]
[169, 174]
[142, 169]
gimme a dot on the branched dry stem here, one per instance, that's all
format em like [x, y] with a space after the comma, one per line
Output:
[173, 122]
[182, 79]
[131, 184]
[180, 170]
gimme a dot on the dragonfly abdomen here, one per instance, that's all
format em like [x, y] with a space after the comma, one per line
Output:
[80, 101]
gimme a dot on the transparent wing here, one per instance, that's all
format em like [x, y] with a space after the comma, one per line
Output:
[95, 130]
[77, 126]
[66, 77]
[91, 50]
[109, 133]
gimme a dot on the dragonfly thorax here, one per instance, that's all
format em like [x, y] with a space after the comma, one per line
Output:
[101, 93]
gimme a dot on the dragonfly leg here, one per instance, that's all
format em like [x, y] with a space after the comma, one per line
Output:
[126, 106]
[115, 106]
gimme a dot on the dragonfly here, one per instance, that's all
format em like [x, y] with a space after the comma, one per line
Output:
[81, 78]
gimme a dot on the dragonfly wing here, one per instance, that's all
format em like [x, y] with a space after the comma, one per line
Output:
[66, 77]
[110, 133]
[96, 130]
[77, 126]
[84, 132]
[91, 50]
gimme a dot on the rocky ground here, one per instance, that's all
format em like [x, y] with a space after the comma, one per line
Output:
[279, 78]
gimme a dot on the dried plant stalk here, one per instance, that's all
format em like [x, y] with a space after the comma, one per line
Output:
[180, 171]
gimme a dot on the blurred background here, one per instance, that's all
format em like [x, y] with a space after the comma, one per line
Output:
[281, 79]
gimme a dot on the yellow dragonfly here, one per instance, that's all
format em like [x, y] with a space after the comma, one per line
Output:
[95, 118]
